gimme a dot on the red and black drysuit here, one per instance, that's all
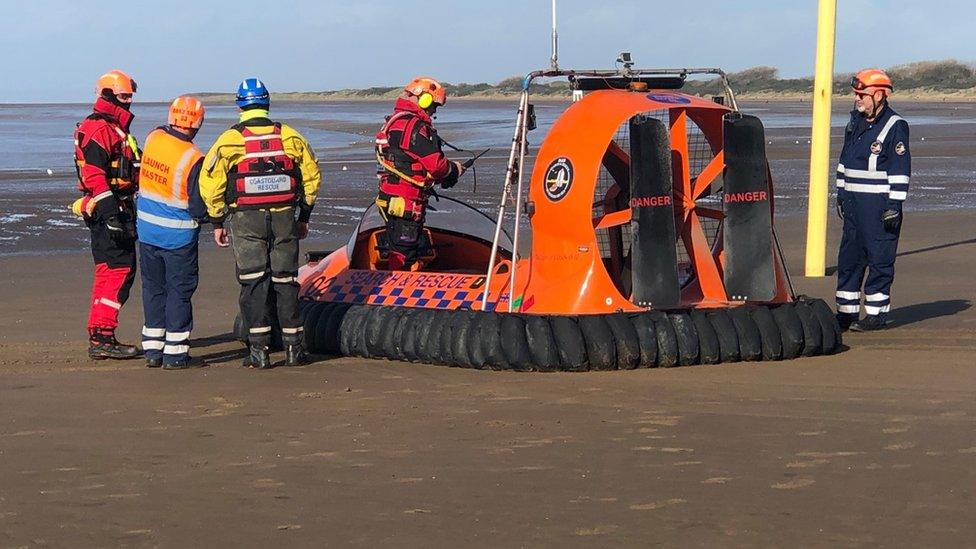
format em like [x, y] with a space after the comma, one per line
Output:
[108, 175]
[411, 163]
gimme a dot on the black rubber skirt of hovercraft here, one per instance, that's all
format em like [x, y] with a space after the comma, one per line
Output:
[525, 342]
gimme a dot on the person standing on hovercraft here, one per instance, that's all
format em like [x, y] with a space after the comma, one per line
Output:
[257, 174]
[411, 163]
[107, 163]
[168, 208]
[872, 184]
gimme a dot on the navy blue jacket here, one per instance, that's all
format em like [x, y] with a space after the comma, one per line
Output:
[876, 160]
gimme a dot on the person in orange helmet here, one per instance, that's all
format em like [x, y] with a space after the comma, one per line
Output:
[107, 164]
[168, 214]
[411, 163]
[872, 184]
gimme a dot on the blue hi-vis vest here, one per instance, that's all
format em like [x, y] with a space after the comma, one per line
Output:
[876, 159]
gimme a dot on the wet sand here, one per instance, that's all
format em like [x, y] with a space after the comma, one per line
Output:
[34, 217]
[873, 446]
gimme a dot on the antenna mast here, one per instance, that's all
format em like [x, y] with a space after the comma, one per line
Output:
[554, 60]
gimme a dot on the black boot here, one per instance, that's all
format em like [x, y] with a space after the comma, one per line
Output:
[258, 358]
[185, 364]
[870, 323]
[845, 320]
[102, 344]
[154, 362]
[295, 355]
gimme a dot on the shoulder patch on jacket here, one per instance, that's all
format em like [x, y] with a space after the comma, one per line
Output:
[900, 148]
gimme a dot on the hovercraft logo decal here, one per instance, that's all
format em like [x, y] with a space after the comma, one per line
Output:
[559, 179]
[669, 98]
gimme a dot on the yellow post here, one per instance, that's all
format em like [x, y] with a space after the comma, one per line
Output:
[820, 142]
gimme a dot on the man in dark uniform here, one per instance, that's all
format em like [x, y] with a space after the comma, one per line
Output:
[872, 184]
[411, 163]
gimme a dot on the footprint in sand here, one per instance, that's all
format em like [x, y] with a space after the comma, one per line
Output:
[828, 454]
[717, 480]
[806, 464]
[655, 505]
[794, 484]
[522, 469]
[900, 446]
[597, 530]
[23, 433]
[665, 421]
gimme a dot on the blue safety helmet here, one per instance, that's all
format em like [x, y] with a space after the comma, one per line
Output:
[252, 92]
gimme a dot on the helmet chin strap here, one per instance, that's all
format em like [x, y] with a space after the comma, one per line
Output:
[878, 107]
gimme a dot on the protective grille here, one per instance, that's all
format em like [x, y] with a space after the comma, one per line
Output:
[700, 154]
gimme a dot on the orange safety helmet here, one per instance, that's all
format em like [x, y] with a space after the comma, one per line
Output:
[186, 112]
[869, 81]
[119, 83]
[427, 91]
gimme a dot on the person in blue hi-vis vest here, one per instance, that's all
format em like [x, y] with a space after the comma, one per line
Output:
[872, 184]
[169, 210]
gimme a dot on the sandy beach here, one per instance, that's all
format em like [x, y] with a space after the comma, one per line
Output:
[873, 446]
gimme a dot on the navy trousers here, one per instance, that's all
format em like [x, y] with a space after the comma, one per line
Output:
[169, 278]
[865, 248]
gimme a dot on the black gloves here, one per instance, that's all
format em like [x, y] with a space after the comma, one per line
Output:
[304, 212]
[114, 224]
[121, 227]
[891, 220]
[841, 200]
[452, 176]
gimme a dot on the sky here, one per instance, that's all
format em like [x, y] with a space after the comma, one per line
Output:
[54, 50]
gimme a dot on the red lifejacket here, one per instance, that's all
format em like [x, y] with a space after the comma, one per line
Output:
[106, 165]
[393, 158]
[266, 177]
[410, 161]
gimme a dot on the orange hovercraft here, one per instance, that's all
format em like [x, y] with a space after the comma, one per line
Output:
[652, 244]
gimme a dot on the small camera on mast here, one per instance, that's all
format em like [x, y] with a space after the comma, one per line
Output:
[626, 60]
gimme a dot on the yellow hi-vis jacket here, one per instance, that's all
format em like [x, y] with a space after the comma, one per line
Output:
[228, 151]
